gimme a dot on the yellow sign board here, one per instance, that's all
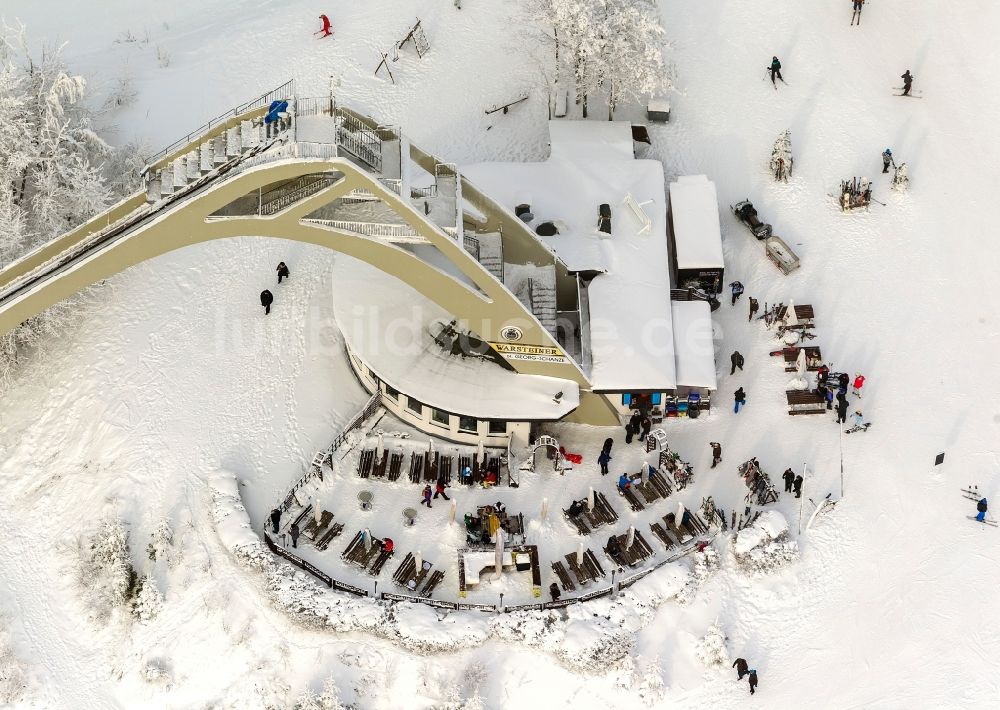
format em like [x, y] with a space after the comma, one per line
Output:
[537, 353]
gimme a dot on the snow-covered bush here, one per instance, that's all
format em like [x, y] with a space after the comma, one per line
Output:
[148, 601]
[51, 169]
[650, 686]
[704, 563]
[711, 648]
[764, 547]
[156, 672]
[106, 572]
[13, 684]
[329, 699]
[900, 180]
[161, 544]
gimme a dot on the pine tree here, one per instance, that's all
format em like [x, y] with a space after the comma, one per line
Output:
[781, 157]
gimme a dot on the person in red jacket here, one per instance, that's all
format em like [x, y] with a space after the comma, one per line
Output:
[859, 382]
[388, 545]
[327, 28]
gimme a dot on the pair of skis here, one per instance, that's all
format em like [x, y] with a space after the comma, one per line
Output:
[972, 493]
[856, 16]
[854, 429]
[913, 94]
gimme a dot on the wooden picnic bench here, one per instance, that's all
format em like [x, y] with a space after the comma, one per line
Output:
[671, 522]
[578, 521]
[395, 466]
[379, 562]
[352, 547]
[314, 529]
[365, 462]
[803, 313]
[648, 492]
[603, 510]
[334, 531]
[302, 516]
[633, 500]
[631, 556]
[659, 483]
[416, 466]
[805, 402]
[431, 583]
[564, 578]
[380, 465]
[661, 535]
[814, 359]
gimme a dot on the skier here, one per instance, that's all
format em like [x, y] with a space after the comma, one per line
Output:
[426, 496]
[789, 478]
[754, 307]
[797, 486]
[859, 382]
[716, 453]
[887, 160]
[736, 360]
[647, 424]
[841, 409]
[439, 489]
[907, 82]
[776, 71]
[737, 288]
[753, 681]
[740, 664]
[554, 591]
[858, 5]
[981, 508]
[294, 532]
[266, 299]
[603, 460]
[275, 517]
[739, 398]
[327, 28]
[859, 421]
[282, 271]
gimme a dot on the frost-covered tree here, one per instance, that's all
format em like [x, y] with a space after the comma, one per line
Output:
[615, 46]
[711, 649]
[53, 166]
[107, 572]
[781, 157]
[148, 600]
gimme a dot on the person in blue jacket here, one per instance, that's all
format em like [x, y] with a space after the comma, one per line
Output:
[624, 483]
[981, 508]
[603, 459]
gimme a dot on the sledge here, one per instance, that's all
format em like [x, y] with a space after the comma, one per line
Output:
[858, 428]
[747, 214]
[781, 255]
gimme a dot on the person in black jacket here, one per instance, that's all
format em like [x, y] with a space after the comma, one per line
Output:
[841, 409]
[282, 271]
[294, 532]
[789, 477]
[739, 398]
[647, 424]
[753, 681]
[633, 426]
[797, 486]
[736, 359]
[741, 668]
[907, 82]
[716, 453]
[266, 299]
[275, 518]
[554, 591]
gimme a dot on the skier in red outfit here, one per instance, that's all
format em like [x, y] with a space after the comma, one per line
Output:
[327, 27]
[859, 382]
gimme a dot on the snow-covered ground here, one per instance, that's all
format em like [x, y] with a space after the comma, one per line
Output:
[174, 373]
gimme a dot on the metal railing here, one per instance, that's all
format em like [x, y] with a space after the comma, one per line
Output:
[314, 106]
[471, 245]
[373, 229]
[360, 140]
[281, 92]
[290, 194]
[418, 192]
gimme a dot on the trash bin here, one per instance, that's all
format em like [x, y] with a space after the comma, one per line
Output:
[409, 516]
[365, 499]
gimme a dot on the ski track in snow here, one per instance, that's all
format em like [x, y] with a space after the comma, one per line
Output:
[175, 370]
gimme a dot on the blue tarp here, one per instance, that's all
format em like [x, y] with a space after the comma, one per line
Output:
[274, 109]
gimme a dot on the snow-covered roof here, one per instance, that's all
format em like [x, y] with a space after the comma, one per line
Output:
[661, 105]
[694, 207]
[593, 140]
[631, 342]
[389, 326]
[693, 344]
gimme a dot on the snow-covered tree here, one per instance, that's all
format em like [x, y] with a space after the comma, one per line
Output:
[148, 600]
[900, 180]
[615, 46]
[781, 157]
[711, 649]
[53, 166]
[107, 571]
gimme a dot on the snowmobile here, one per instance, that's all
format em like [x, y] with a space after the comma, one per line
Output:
[746, 213]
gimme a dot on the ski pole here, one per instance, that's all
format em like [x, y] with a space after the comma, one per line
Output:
[881, 203]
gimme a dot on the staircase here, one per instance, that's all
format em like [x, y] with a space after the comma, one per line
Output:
[487, 249]
[542, 296]
[360, 141]
[236, 142]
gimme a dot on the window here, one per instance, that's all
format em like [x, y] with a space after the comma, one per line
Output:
[655, 399]
[626, 399]
[439, 417]
[391, 393]
[468, 425]
[497, 427]
[414, 406]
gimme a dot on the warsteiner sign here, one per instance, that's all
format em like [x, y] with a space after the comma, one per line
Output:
[536, 353]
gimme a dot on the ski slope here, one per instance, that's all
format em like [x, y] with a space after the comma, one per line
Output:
[174, 373]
